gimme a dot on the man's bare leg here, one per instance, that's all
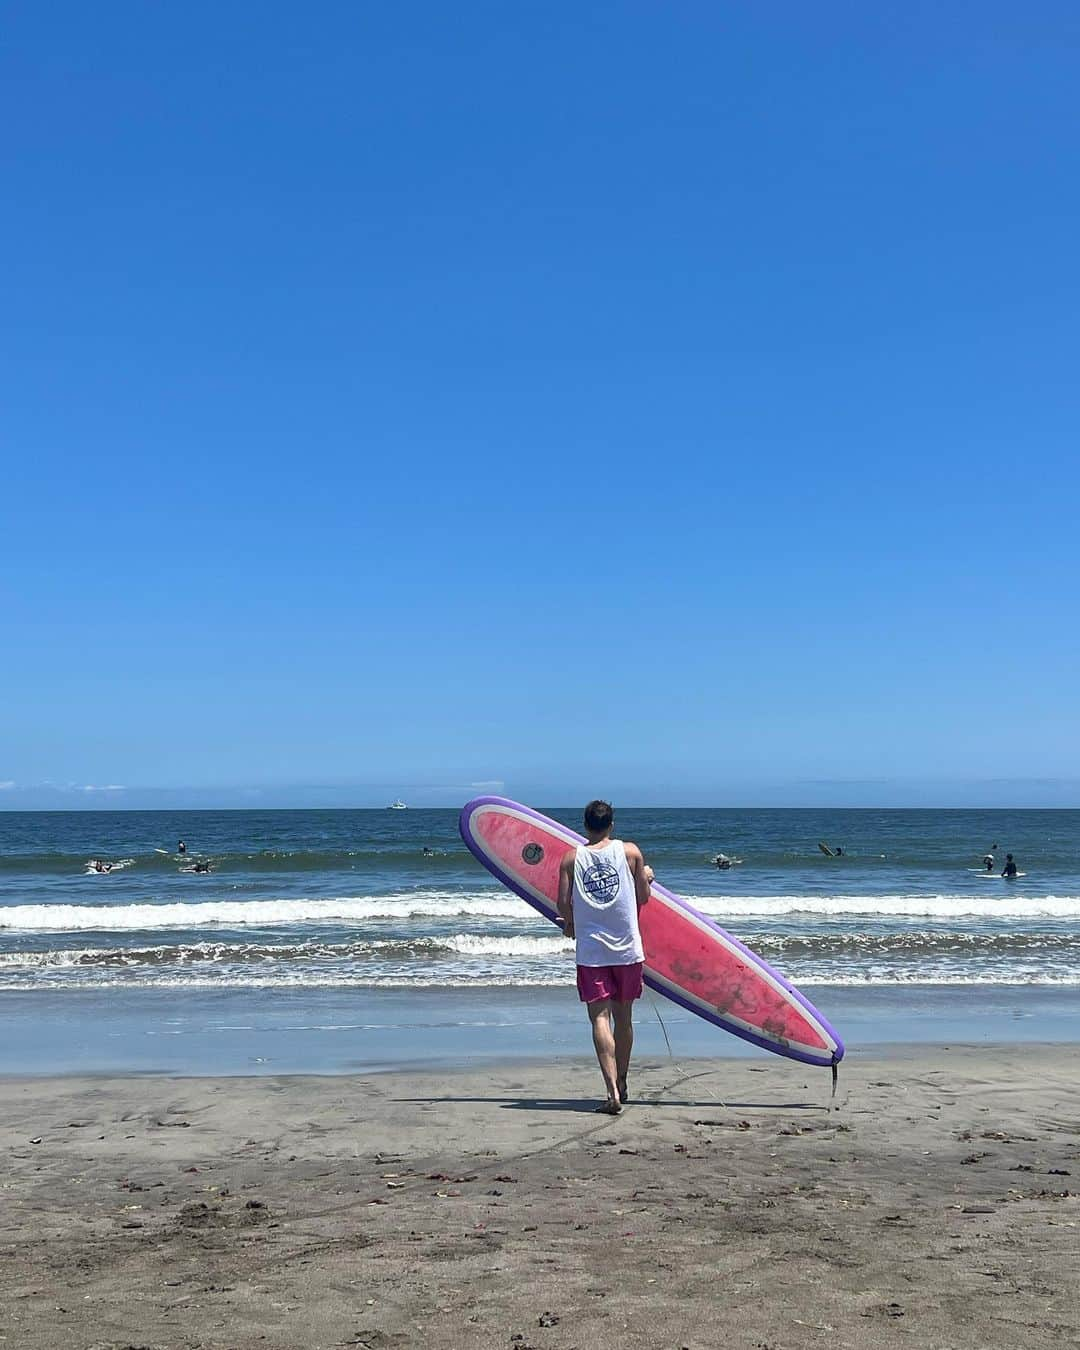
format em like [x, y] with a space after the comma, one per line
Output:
[623, 1014]
[604, 1042]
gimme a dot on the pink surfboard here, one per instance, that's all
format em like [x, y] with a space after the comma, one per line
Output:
[688, 958]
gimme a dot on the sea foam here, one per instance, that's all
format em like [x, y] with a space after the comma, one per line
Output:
[502, 905]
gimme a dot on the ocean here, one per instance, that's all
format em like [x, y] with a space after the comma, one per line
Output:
[331, 940]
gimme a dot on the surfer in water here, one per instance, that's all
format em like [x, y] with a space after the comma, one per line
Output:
[602, 886]
[723, 862]
[181, 847]
[1009, 870]
[989, 862]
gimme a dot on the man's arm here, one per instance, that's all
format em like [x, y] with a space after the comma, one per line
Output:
[565, 902]
[642, 873]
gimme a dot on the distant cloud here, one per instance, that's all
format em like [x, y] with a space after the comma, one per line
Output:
[489, 785]
[7, 785]
[106, 787]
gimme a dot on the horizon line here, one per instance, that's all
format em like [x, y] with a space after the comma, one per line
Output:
[677, 806]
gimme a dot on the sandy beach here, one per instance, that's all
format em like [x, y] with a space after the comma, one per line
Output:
[935, 1205]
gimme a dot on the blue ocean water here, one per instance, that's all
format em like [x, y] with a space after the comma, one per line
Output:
[387, 914]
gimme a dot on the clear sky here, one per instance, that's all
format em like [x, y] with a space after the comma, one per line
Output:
[671, 401]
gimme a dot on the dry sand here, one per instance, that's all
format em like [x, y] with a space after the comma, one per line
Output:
[936, 1207]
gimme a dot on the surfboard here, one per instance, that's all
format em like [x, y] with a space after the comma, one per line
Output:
[827, 850]
[688, 958]
[996, 876]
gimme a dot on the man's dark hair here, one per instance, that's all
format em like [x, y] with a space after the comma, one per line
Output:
[599, 816]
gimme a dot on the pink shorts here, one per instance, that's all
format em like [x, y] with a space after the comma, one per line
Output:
[621, 983]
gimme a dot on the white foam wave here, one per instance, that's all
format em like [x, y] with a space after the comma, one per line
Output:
[285, 979]
[1004, 906]
[263, 913]
[498, 904]
[927, 980]
[558, 977]
[463, 944]
[467, 944]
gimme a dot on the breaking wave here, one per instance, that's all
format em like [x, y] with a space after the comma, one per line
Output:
[494, 903]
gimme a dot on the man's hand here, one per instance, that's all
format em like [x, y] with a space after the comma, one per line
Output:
[650, 875]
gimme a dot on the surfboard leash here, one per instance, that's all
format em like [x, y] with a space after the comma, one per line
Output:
[678, 1064]
[667, 1039]
[834, 1066]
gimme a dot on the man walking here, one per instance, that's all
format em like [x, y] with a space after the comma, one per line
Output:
[602, 886]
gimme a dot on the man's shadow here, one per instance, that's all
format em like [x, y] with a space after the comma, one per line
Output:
[587, 1105]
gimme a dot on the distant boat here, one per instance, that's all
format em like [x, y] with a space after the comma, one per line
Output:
[397, 805]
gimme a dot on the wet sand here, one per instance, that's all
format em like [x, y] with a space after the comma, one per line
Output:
[936, 1206]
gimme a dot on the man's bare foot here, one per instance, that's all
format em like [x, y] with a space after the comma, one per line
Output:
[624, 1095]
[609, 1108]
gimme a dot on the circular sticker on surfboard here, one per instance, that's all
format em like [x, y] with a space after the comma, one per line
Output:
[532, 853]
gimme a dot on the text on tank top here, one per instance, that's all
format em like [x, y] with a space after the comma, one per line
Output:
[605, 907]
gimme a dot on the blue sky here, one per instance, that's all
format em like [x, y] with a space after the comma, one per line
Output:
[677, 402]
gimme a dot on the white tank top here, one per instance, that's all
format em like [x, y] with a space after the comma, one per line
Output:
[605, 907]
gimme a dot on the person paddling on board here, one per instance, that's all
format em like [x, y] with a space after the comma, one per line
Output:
[1009, 870]
[602, 886]
[989, 861]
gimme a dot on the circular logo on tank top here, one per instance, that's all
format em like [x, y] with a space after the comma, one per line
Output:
[601, 880]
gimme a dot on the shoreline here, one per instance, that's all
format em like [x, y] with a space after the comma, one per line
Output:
[466, 1066]
[342, 1030]
[936, 1201]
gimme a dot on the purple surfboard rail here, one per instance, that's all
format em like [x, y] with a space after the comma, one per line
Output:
[688, 948]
